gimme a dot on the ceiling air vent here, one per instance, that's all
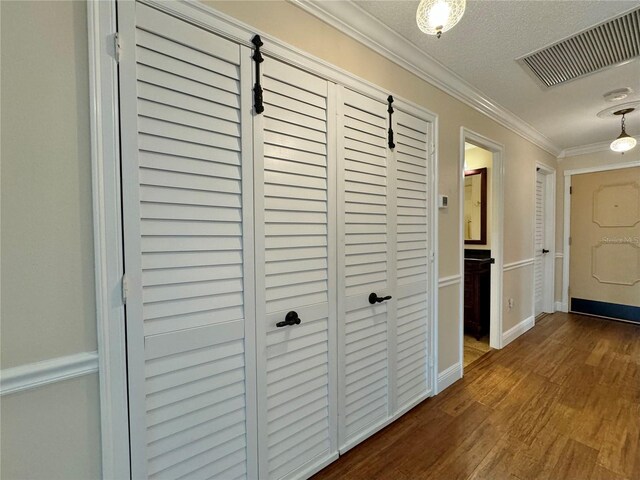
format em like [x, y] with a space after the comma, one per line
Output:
[605, 45]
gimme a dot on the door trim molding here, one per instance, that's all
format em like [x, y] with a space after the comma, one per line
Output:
[566, 233]
[107, 238]
[548, 293]
[497, 236]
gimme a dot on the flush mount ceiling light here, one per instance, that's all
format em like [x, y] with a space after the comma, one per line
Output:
[437, 16]
[624, 142]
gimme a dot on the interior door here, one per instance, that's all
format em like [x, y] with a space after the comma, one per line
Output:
[295, 258]
[366, 257]
[541, 249]
[412, 342]
[605, 247]
[188, 242]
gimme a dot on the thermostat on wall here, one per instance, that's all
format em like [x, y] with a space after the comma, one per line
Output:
[443, 201]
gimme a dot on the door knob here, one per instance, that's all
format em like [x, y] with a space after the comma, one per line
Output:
[544, 250]
[290, 319]
[373, 299]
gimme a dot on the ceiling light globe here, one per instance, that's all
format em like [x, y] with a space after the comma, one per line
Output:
[436, 16]
[623, 143]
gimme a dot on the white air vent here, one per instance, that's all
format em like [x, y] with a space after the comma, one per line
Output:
[605, 45]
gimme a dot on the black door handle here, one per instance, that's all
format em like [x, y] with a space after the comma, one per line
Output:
[290, 319]
[544, 250]
[373, 299]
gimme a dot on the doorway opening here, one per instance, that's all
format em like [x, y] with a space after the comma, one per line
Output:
[477, 213]
[481, 212]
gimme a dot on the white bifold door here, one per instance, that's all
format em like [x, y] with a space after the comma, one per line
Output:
[187, 185]
[254, 245]
[384, 260]
[295, 267]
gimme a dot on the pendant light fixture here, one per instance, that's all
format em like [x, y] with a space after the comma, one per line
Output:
[437, 16]
[624, 142]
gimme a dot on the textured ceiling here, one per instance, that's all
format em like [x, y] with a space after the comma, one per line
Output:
[483, 47]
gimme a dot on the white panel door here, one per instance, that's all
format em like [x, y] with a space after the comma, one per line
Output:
[412, 377]
[188, 240]
[366, 251]
[539, 262]
[295, 259]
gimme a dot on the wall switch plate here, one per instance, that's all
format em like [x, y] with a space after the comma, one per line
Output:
[443, 201]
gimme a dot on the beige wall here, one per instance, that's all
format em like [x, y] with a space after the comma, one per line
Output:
[52, 432]
[47, 260]
[48, 306]
[590, 160]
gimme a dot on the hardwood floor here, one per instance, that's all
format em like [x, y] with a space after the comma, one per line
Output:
[560, 402]
[474, 349]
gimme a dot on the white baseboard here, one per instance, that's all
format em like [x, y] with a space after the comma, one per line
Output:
[513, 333]
[448, 377]
[34, 375]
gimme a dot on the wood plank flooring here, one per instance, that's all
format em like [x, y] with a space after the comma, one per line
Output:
[560, 402]
[474, 349]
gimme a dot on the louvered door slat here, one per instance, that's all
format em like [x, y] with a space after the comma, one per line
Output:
[186, 169]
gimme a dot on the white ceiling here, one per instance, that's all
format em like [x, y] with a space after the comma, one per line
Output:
[483, 47]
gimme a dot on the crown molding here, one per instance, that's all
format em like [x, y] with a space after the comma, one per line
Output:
[590, 148]
[353, 21]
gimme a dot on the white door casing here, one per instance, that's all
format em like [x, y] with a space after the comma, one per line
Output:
[187, 197]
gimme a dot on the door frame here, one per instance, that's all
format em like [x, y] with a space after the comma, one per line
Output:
[497, 235]
[110, 283]
[564, 306]
[549, 262]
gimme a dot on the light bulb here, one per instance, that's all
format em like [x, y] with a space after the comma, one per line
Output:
[439, 15]
[623, 143]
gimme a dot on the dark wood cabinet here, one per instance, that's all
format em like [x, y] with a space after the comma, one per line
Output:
[477, 295]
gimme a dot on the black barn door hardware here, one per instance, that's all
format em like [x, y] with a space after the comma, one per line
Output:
[373, 299]
[290, 319]
[390, 110]
[257, 88]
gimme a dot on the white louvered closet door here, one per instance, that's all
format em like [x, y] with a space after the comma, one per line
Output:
[295, 258]
[413, 259]
[366, 251]
[539, 245]
[187, 196]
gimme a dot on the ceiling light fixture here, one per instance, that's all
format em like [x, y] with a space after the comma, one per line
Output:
[437, 16]
[624, 142]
